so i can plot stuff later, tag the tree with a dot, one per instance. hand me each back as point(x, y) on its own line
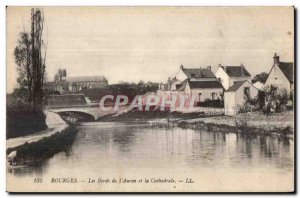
point(275, 99)
point(23, 57)
point(30, 57)
point(262, 77)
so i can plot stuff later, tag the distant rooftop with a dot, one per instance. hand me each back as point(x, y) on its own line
point(236, 71)
point(198, 73)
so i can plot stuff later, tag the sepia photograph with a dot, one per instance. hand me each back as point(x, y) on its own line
point(150, 99)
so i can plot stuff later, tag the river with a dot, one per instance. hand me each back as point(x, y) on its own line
point(213, 161)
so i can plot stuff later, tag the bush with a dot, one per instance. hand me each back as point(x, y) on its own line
point(275, 99)
point(23, 119)
point(249, 105)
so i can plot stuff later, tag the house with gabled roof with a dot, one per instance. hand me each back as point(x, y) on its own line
point(228, 75)
point(202, 90)
point(237, 95)
point(281, 74)
point(198, 82)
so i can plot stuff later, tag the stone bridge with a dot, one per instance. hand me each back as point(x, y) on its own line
point(94, 111)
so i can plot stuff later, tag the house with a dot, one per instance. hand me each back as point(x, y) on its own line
point(203, 90)
point(200, 82)
point(281, 75)
point(237, 94)
point(228, 75)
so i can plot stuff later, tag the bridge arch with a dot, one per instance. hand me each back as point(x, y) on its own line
point(81, 113)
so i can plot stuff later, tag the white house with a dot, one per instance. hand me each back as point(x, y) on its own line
point(236, 96)
point(228, 75)
point(202, 90)
point(281, 74)
point(200, 82)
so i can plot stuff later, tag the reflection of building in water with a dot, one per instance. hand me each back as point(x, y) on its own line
point(62, 83)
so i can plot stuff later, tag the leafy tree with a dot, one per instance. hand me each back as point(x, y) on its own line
point(30, 58)
point(275, 99)
point(262, 77)
point(23, 60)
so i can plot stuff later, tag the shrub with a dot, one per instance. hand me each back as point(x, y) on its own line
point(275, 99)
point(248, 106)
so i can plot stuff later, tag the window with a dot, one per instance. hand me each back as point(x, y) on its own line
point(247, 92)
point(200, 96)
point(213, 95)
point(193, 75)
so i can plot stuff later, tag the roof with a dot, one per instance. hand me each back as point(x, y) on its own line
point(235, 71)
point(205, 84)
point(198, 73)
point(288, 70)
point(84, 78)
point(172, 80)
point(237, 85)
point(182, 85)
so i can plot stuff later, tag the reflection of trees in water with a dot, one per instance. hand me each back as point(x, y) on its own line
point(31, 157)
point(265, 147)
point(246, 141)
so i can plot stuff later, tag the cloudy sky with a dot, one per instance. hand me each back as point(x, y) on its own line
point(132, 44)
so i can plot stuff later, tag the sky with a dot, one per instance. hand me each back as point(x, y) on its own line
point(150, 43)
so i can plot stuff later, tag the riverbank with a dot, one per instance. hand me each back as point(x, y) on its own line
point(55, 125)
point(281, 124)
point(42, 143)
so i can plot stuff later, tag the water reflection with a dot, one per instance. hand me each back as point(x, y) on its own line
point(101, 145)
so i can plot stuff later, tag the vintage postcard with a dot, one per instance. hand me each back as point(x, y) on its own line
point(150, 99)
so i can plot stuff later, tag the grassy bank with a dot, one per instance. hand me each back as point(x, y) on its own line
point(35, 153)
point(23, 119)
point(253, 122)
point(144, 116)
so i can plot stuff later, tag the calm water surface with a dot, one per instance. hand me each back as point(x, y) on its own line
point(99, 146)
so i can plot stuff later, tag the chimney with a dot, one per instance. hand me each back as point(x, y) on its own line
point(276, 59)
point(209, 67)
point(219, 65)
point(242, 69)
point(181, 67)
